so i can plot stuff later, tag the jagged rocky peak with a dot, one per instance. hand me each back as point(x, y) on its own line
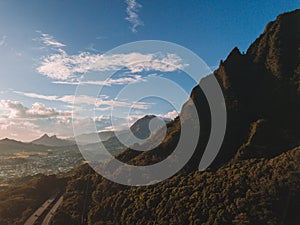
point(276, 52)
point(231, 67)
point(8, 140)
point(147, 117)
point(277, 48)
point(235, 52)
point(45, 136)
point(51, 141)
point(141, 127)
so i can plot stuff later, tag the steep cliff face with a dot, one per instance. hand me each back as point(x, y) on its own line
point(264, 84)
point(253, 176)
point(278, 47)
point(261, 85)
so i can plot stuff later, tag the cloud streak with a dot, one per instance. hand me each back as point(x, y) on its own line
point(108, 82)
point(3, 41)
point(38, 96)
point(37, 110)
point(27, 123)
point(61, 66)
point(169, 115)
point(49, 40)
point(103, 103)
point(132, 10)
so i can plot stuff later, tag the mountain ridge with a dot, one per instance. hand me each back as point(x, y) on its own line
point(52, 141)
point(11, 145)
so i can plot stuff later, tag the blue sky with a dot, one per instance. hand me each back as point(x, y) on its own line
point(37, 96)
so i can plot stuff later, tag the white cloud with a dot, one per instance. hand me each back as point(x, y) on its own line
point(170, 115)
point(103, 103)
point(49, 40)
point(108, 82)
point(18, 129)
point(56, 66)
point(92, 48)
point(138, 115)
point(38, 96)
point(132, 9)
point(101, 37)
point(23, 123)
point(27, 123)
point(3, 41)
point(61, 66)
point(37, 110)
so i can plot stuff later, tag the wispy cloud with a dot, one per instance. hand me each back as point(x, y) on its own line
point(37, 110)
point(49, 40)
point(138, 115)
point(108, 82)
point(91, 48)
point(27, 123)
point(15, 129)
point(132, 10)
point(61, 66)
point(101, 102)
point(38, 96)
point(101, 37)
point(169, 115)
point(3, 41)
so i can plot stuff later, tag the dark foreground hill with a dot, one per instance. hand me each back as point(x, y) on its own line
point(254, 191)
point(255, 177)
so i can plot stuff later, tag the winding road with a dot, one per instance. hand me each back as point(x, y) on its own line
point(49, 216)
point(33, 218)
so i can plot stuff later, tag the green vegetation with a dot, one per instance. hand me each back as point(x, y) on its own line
point(19, 202)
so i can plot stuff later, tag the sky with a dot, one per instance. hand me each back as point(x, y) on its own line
point(48, 48)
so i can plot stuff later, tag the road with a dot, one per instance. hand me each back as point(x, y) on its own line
point(31, 220)
point(84, 209)
point(49, 216)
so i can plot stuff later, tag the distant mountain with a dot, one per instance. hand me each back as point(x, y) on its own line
point(52, 141)
point(92, 137)
point(9, 145)
point(140, 129)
